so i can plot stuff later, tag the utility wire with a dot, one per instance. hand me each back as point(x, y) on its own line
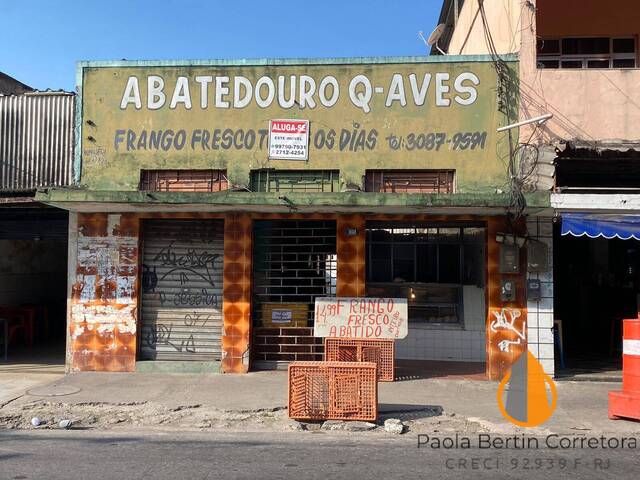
point(518, 171)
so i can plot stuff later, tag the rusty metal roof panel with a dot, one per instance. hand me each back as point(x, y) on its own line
point(581, 148)
point(36, 140)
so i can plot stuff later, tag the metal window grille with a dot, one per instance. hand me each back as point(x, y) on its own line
point(183, 180)
point(409, 181)
point(587, 52)
point(270, 180)
point(295, 261)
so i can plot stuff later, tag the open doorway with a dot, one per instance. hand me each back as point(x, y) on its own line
point(596, 286)
point(33, 289)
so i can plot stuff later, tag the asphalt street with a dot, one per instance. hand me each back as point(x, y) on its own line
point(71, 455)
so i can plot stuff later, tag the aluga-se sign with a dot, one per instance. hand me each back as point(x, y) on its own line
point(224, 91)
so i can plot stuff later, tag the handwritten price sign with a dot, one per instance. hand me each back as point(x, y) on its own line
point(361, 318)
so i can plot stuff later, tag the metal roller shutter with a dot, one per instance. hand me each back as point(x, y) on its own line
point(182, 290)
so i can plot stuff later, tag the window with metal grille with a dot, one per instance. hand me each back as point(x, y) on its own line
point(409, 181)
point(428, 264)
point(587, 52)
point(183, 180)
point(294, 262)
point(271, 180)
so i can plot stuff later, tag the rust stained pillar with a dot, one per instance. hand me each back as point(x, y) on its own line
point(102, 327)
point(236, 293)
point(504, 343)
point(351, 255)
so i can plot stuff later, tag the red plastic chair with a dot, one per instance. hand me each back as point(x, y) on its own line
point(19, 322)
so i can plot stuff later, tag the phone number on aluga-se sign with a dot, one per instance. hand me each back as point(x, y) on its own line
point(289, 147)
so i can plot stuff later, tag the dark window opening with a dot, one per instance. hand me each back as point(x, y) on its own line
point(624, 45)
point(549, 47)
point(597, 175)
point(624, 63)
point(586, 52)
point(428, 264)
point(585, 46)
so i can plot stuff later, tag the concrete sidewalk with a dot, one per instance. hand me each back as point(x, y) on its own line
point(257, 390)
point(582, 406)
point(17, 378)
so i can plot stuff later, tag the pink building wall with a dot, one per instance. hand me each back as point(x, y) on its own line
point(591, 105)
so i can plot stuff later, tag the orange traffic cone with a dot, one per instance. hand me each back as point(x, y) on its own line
point(626, 403)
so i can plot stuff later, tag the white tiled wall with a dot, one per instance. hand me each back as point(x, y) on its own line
point(431, 344)
point(540, 314)
point(465, 345)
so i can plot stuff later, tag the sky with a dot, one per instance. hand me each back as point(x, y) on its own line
point(43, 39)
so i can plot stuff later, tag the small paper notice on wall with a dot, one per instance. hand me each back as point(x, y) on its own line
point(281, 316)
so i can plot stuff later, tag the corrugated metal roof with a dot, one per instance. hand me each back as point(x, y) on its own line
point(600, 147)
point(36, 140)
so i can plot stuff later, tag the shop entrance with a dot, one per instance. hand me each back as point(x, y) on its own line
point(596, 285)
point(440, 269)
point(181, 314)
point(33, 289)
point(294, 261)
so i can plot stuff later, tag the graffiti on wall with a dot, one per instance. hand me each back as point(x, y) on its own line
point(507, 320)
point(191, 268)
point(181, 286)
point(161, 333)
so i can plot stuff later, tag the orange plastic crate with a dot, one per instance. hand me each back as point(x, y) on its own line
point(333, 391)
point(379, 351)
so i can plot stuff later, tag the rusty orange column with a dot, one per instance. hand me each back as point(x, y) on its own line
point(236, 293)
point(351, 255)
point(102, 321)
point(504, 345)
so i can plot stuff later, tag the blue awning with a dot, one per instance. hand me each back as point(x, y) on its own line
point(608, 226)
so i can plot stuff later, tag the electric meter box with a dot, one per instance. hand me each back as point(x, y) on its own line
point(508, 291)
point(533, 290)
point(509, 258)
